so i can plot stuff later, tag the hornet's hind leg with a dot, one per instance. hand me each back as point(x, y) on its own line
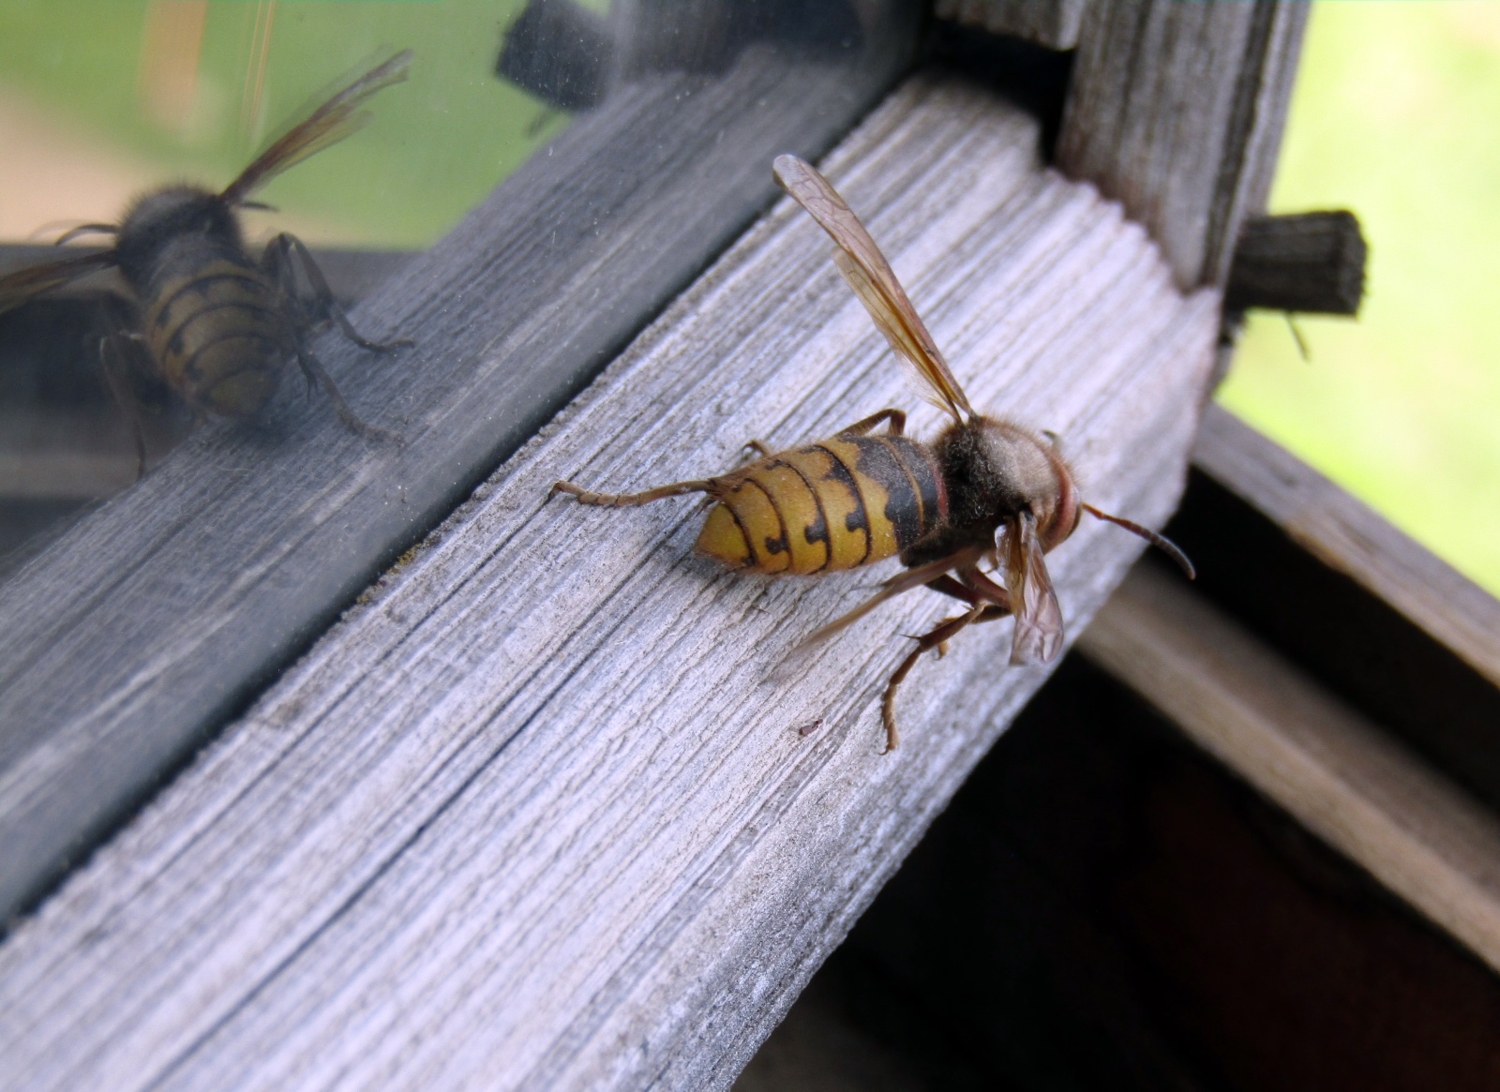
point(897, 426)
point(627, 500)
point(897, 419)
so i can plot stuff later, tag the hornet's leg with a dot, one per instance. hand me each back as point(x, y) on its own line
point(899, 584)
point(315, 374)
point(985, 588)
point(627, 500)
point(289, 247)
point(112, 361)
point(937, 638)
point(277, 264)
point(897, 419)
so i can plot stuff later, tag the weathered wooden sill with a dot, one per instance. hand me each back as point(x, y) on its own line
point(532, 815)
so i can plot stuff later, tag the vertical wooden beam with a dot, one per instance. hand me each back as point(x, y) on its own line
point(1052, 23)
point(1176, 110)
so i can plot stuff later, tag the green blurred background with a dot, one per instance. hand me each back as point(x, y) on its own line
point(1396, 116)
point(110, 74)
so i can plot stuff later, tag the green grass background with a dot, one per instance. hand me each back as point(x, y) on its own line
point(437, 143)
point(1396, 115)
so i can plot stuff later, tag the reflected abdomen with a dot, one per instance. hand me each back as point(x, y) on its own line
point(838, 504)
point(217, 335)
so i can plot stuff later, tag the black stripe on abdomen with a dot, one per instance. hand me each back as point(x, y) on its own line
point(903, 508)
point(922, 468)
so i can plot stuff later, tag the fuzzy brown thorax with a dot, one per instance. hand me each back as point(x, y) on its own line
point(995, 470)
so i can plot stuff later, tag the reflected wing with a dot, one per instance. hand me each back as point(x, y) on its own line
point(1039, 621)
point(328, 124)
point(870, 275)
point(18, 287)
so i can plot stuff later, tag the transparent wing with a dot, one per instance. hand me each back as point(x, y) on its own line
point(330, 123)
point(1039, 622)
point(18, 287)
point(871, 277)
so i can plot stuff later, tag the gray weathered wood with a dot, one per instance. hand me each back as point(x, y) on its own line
point(164, 612)
point(1310, 262)
point(1176, 110)
point(535, 815)
point(1347, 535)
point(1336, 772)
point(1052, 23)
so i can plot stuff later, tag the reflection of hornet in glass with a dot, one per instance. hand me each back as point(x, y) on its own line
point(218, 325)
point(987, 491)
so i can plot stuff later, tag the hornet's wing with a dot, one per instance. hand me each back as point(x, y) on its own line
point(871, 277)
point(330, 123)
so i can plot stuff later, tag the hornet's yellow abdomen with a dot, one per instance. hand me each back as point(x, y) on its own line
point(845, 502)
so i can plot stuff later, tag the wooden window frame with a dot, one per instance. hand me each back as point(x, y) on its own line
point(407, 861)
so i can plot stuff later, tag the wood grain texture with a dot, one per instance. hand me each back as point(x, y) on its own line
point(534, 815)
point(1348, 536)
point(162, 614)
point(1310, 262)
point(1052, 23)
point(1176, 110)
point(1338, 773)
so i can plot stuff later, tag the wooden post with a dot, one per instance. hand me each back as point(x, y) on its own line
point(1312, 262)
point(1176, 110)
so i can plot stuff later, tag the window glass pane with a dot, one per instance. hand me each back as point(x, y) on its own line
point(103, 100)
